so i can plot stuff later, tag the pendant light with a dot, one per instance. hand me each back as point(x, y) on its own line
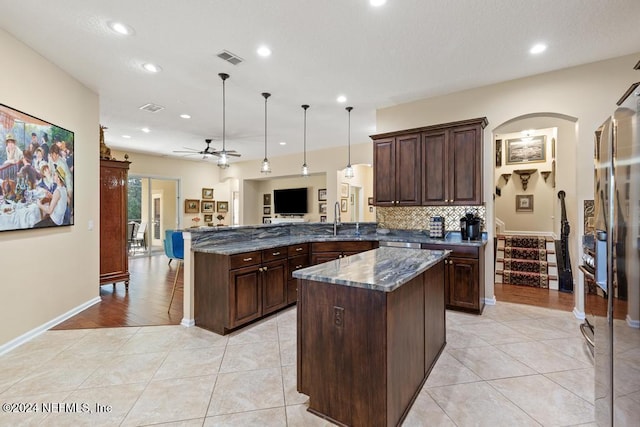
point(266, 167)
point(348, 172)
point(305, 168)
point(223, 160)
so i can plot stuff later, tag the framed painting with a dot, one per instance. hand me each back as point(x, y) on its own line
point(266, 220)
point(266, 199)
point(191, 206)
point(526, 150)
point(322, 208)
point(36, 172)
point(266, 210)
point(322, 194)
point(208, 218)
point(323, 218)
point(524, 203)
point(207, 193)
point(344, 189)
point(343, 205)
point(222, 207)
point(498, 152)
point(207, 206)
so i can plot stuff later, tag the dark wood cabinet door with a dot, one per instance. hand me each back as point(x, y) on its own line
point(465, 165)
point(463, 283)
point(321, 257)
point(434, 168)
point(245, 295)
point(274, 286)
point(408, 169)
point(295, 263)
point(384, 177)
point(114, 261)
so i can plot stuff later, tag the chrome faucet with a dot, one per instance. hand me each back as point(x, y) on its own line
point(336, 218)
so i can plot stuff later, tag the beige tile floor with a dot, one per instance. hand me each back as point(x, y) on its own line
point(514, 365)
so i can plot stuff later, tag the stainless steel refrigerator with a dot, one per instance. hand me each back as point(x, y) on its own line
point(612, 266)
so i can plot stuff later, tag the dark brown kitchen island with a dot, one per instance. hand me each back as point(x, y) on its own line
point(370, 328)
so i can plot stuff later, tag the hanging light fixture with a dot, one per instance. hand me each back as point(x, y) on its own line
point(223, 160)
point(348, 172)
point(305, 168)
point(266, 167)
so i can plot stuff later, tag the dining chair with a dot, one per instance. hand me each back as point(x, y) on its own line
point(177, 249)
point(139, 239)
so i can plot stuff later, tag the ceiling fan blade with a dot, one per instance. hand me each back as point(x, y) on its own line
point(188, 152)
point(232, 154)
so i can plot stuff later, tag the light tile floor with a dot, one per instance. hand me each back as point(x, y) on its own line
point(514, 365)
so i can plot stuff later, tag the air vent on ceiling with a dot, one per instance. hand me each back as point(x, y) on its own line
point(230, 57)
point(154, 108)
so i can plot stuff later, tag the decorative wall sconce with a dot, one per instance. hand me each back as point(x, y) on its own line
point(545, 175)
point(525, 174)
point(506, 177)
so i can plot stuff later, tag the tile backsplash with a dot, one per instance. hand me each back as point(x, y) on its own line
point(417, 217)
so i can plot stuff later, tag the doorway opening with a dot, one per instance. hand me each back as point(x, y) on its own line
point(152, 208)
point(535, 158)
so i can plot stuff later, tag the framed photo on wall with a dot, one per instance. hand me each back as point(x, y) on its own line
point(266, 199)
point(322, 194)
point(343, 205)
point(266, 210)
point(266, 220)
point(323, 218)
point(208, 218)
point(344, 189)
point(524, 203)
point(526, 150)
point(322, 208)
point(498, 152)
point(191, 206)
point(222, 207)
point(207, 193)
point(207, 206)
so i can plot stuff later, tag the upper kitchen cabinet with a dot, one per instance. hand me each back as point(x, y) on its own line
point(452, 163)
point(396, 179)
point(431, 165)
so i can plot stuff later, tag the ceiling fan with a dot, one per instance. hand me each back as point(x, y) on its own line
point(208, 151)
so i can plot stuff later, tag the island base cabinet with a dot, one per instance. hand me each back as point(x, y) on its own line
point(362, 354)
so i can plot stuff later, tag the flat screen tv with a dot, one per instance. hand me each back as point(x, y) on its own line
point(290, 201)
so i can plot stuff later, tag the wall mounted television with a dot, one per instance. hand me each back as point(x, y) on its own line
point(290, 201)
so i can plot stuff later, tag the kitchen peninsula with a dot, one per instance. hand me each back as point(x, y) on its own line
point(370, 328)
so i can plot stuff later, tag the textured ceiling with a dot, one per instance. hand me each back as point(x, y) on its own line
point(377, 57)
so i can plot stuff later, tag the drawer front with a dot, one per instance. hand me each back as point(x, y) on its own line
point(274, 253)
point(296, 263)
point(461, 251)
point(245, 259)
point(301, 249)
point(343, 246)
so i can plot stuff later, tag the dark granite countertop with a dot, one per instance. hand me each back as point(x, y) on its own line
point(384, 269)
point(235, 240)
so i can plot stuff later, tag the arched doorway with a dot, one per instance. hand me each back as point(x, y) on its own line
point(535, 158)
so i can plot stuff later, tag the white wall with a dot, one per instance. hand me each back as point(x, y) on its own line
point(587, 92)
point(46, 273)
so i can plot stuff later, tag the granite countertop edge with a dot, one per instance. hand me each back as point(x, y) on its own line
point(233, 248)
point(383, 269)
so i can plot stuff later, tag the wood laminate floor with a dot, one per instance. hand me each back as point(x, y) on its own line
point(146, 301)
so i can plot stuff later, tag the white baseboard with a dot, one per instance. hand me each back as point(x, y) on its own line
point(633, 323)
point(16, 342)
point(188, 322)
point(579, 314)
point(490, 301)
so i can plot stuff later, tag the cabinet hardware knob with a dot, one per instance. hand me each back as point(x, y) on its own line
point(264, 268)
point(276, 253)
point(298, 249)
point(298, 266)
point(247, 259)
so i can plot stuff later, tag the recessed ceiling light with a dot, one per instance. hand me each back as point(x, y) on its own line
point(145, 130)
point(264, 51)
point(341, 99)
point(282, 143)
point(126, 136)
point(185, 116)
point(121, 28)
point(152, 68)
point(377, 3)
point(538, 48)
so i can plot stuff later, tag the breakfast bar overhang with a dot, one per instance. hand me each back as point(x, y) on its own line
point(370, 328)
